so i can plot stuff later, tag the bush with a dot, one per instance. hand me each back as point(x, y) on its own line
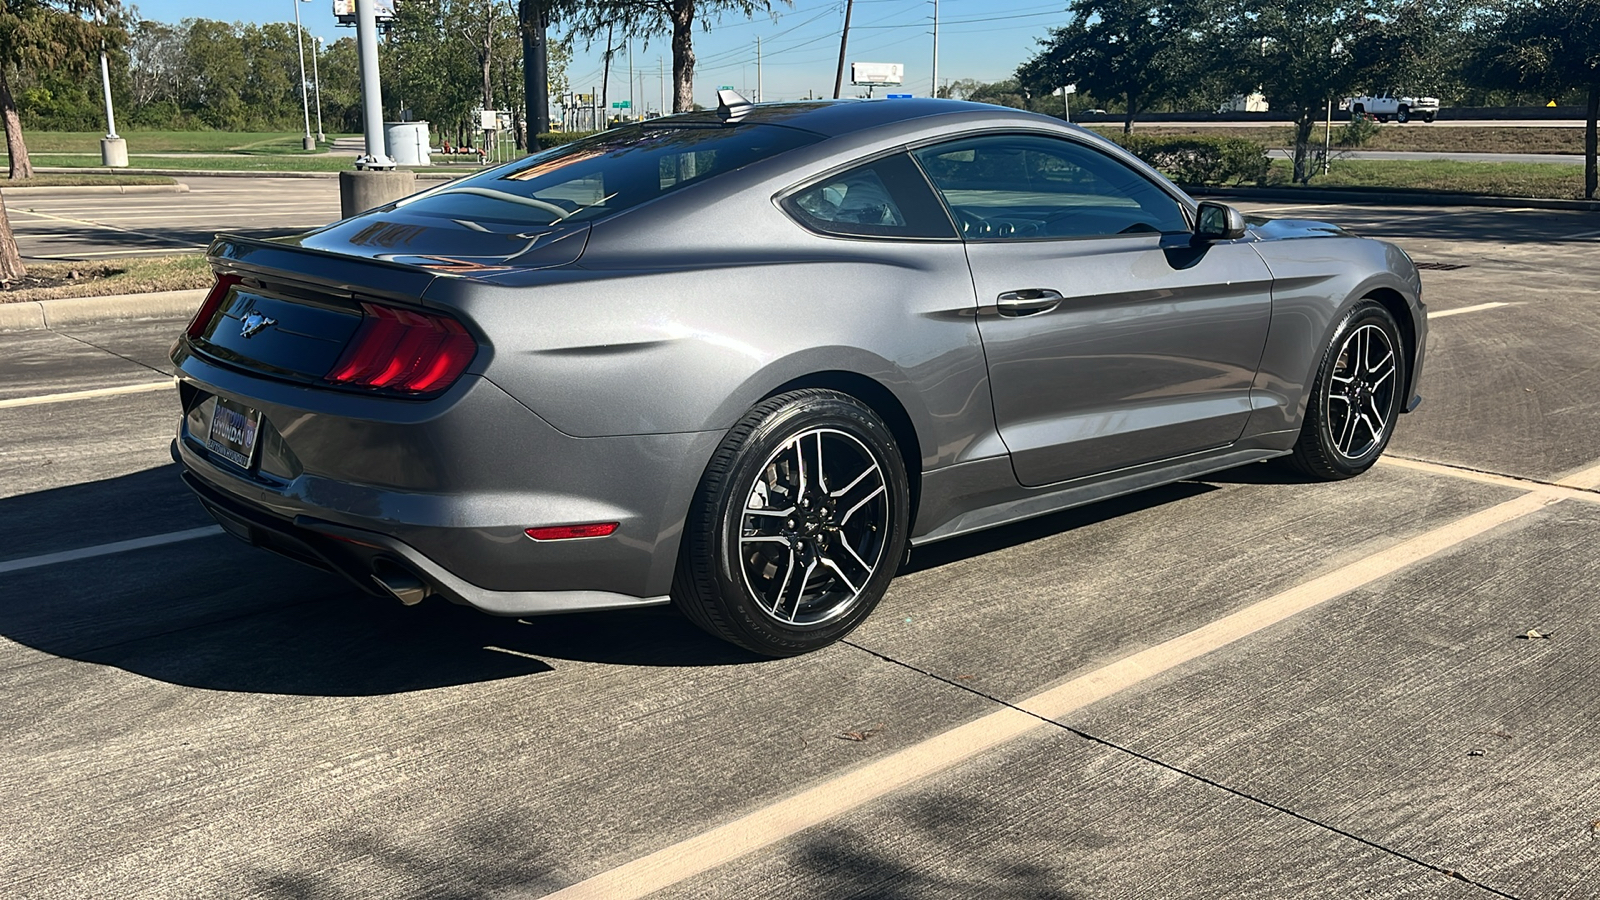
point(549, 139)
point(1360, 130)
point(1197, 159)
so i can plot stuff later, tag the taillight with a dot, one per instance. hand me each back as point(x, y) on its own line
point(402, 350)
point(208, 309)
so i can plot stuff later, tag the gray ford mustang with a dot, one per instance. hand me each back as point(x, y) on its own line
point(741, 361)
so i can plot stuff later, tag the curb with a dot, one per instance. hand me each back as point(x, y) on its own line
point(174, 188)
point(1393, 198)
point(42, 315)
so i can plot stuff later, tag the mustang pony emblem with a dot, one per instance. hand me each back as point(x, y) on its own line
point(254, 322)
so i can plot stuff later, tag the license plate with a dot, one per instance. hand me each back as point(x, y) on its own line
point(234, 427)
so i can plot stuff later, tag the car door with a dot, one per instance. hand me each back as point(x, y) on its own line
point(1112, 338)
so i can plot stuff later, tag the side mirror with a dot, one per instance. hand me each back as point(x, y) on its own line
point(1218, 222)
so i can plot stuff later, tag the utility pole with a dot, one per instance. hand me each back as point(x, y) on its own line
point(605, 78)
point(533, 21)
point(375, 181)
point(305, 102)
point(630, 78)
point(661, 81)
point(113, 149)
point(316, 80)
point(844, 41)
point(759, 82)
point(933, 86)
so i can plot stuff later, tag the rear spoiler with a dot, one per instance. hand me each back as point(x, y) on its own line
point(337, 274)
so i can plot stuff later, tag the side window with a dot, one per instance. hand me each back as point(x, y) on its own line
point(884, 198)
point(1020, 187)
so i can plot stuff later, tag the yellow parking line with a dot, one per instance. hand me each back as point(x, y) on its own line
point(1587, 479)
point(852, 790)
point(1439, 314)
point(1564, 489)
point(87, 395)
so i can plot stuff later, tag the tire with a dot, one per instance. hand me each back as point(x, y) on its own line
point(1428, 119)
point(1364, 370)
point(1383, 119)
point(809, 485)
point(1360, 111)
point(1403, 116)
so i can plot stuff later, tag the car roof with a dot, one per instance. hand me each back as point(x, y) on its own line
point(833, 118)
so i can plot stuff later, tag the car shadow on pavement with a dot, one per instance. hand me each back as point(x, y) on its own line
point(214, 613)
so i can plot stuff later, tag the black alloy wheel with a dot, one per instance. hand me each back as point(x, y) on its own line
point(799, 526)
point(1356, 398)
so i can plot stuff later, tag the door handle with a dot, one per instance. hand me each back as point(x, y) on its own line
point(1027, 302)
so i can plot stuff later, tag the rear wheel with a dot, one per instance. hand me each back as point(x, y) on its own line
point(798, 527)
point(1358, 393)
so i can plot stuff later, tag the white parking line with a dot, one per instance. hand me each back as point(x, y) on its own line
point(1439, 314)
point(123, 252)
point(87, 395)
point(29, 212)
point(852, 790)
point(156, 540)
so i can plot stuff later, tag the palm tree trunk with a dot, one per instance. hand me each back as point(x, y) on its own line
point(11, 268)
point(21, 165)
point(682, 55)
point(1590, 174)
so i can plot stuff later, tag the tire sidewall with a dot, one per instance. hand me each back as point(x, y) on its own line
point(810, 410)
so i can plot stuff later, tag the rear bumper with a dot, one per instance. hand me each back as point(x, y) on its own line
point(442, 492)
point(361, 556)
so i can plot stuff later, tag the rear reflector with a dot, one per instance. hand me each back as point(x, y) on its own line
point(403, 350)
point(570, 532)
point(208, 309)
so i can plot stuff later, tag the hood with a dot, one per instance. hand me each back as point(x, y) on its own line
point(1289, 229)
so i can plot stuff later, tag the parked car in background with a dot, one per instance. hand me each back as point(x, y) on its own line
point(740, 360)
point(1402, 108)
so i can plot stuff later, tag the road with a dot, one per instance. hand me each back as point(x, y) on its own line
point(1242, 685)
point(53, 226)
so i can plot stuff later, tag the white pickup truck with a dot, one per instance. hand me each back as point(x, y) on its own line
point(1388, 103)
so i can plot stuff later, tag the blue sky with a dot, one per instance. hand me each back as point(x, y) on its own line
point(982, 39)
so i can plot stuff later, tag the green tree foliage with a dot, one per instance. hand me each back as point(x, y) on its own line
point(445, 58)
point(1140, 51)
point(1001, 93)
point(1552, 47)
point(59, 37)
point(652, 18)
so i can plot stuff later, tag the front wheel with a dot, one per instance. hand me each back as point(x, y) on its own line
point(798, 527)
point(1356, 397)
point(1403, 116)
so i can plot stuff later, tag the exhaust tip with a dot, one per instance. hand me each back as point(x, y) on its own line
point(408, 589)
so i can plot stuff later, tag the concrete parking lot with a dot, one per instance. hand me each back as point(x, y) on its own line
point(1242, 686)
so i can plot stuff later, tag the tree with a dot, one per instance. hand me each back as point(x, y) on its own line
point(1000, 93)
point(1302, 53)
point(650, 18)
point(1551, 46)
point(47, 35)
point(1143, 51)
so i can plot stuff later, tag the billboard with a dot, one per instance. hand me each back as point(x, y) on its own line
point(345, 10)
point(877, 73)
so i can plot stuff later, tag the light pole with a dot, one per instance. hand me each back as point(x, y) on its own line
point(113, 149)
point(305, 101)
point(316, 79)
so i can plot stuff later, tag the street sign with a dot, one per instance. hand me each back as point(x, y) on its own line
point(898, 96)
point(622, 104)
point(724, 87)
point(877, 73)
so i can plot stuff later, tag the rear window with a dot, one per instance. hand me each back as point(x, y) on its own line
point(606, 173)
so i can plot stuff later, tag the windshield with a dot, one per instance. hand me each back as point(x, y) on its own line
point(607, 172)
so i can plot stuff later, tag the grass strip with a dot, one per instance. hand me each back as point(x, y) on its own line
point(271, 142)
point(74, 180)
point(1554, 181)
point(103, 278)
point(1414, 137)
